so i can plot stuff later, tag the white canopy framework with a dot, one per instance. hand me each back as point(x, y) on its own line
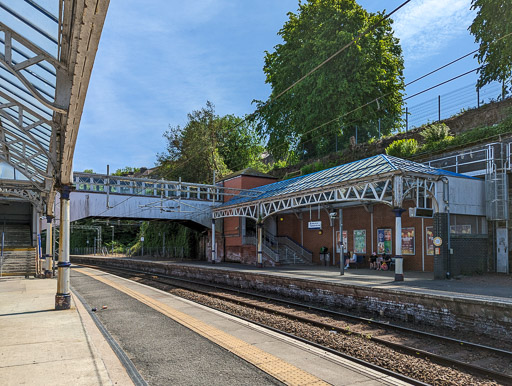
point(387, 180)
point(47, 50)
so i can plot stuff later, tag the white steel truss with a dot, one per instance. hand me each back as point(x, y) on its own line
point(390, 190)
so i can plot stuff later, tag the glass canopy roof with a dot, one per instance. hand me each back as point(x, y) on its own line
point(369, 167)
point(29, 42)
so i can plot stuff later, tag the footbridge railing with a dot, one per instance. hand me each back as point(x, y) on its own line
point(99, 183)
point(108, 184)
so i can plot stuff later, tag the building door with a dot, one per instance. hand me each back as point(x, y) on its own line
point(502, 250)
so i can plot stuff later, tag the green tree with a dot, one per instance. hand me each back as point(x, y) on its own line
point(209, 142)
point(238, 143)
point(490, 28)
point(191, 150)
point(126, 170)
point(369, 69)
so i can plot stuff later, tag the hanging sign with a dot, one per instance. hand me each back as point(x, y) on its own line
point(315, 225)
point(438, 241)
point(142, 239)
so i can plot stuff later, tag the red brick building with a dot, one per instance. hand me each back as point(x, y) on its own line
point(365, 201)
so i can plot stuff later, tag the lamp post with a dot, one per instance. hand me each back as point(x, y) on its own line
point(112, 239)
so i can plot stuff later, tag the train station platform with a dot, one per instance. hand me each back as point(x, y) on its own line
point(169, 340)
point(479, 304)
point(40, 346)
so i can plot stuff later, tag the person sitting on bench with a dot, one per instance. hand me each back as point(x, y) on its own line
point(352, 259)
point(386, 262)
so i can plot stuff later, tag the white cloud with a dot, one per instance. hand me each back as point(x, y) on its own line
point(425, 27)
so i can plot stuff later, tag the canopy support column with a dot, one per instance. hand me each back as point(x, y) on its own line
point(213, 241)
point(399, 271)
point(63, 296)
point(49, 250)
point(259, 235)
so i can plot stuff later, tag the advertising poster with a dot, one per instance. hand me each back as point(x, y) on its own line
point(360, 241)
point(408, 241)
point(345, 241)
point(384, 244)
point(430, 240)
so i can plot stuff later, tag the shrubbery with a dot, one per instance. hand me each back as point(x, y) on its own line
point(403, 148)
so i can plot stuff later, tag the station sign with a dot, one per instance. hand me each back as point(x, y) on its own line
point(438, 241)
point(315, 225)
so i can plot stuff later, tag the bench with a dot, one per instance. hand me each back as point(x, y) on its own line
point(358, 263)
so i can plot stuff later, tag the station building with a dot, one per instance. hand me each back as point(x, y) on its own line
point(381, 204)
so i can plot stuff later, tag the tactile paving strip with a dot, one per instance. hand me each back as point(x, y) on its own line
point(270, 364)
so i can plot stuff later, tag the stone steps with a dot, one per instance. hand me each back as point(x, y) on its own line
point(18, 261)
point(16, 236)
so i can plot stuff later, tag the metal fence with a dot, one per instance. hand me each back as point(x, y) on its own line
point(447, 105)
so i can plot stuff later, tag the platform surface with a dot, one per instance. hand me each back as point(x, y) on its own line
point(169, 340)
point(41, 346)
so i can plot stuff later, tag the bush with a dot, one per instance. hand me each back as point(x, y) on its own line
point(435, 133)
point(402, 148)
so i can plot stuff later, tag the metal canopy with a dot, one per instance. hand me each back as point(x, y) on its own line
point(47, 50)
point(379, 179)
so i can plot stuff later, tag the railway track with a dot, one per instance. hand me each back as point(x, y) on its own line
point(488, 364)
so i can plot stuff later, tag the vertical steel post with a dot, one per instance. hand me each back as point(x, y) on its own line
point(213, 241)
point(439, 108)
point(213, 221)
point(379, 127)
point(478, 97)
point(342, 247)
point(49, 245)
point(407, 119)
point(2, 256)
point(399, 274)
point(259, 231)
point(108, 186)
point(63, 297)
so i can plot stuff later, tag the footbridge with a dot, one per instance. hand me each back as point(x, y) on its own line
point(118, 197)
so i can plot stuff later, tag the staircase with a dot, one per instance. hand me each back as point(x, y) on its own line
point(16, 236)
point(19, 257)
point(281, 249)
point(18, 262)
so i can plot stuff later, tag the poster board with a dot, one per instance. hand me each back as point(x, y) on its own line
point(430, 240)
point(384, 241)
point(408, 241)
point(360, 241)
point(345, 241)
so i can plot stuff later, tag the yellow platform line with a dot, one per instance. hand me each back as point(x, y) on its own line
point(270, 364)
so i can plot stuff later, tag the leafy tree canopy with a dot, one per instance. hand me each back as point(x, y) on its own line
point(206, 143)
point(372, 68)
point(490, 27)
point(126, 170)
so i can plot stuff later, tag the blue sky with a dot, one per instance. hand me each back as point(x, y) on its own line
point(161, 60)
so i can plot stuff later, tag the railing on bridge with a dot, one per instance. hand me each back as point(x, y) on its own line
point(477, 161)
point(101, 183)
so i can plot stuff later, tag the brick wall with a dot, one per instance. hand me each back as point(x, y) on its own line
point(357, 218)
